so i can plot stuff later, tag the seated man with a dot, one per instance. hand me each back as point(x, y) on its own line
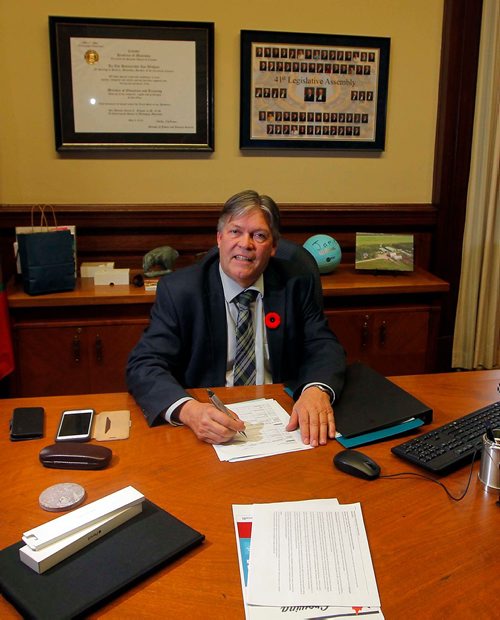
point(199, 335)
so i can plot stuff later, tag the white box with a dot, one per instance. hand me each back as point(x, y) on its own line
point(88, 270)
point(50, 555)
point(112, 276)
point(70, 523)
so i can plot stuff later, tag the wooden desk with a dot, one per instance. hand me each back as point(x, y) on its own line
point(433, 558)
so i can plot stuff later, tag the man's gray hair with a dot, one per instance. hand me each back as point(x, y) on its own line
point(242, 203)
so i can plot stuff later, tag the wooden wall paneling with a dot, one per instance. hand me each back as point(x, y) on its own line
point(457, 91)
point(124, 233)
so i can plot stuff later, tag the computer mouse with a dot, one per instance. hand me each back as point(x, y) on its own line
point(356, 464)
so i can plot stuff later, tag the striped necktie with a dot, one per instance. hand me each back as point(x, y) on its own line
point(244, 359)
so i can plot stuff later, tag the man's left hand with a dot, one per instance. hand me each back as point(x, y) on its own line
point(313, 413)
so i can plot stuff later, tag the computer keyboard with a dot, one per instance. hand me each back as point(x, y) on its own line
point(452, 445)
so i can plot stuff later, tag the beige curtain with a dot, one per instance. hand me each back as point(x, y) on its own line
point(476, 341)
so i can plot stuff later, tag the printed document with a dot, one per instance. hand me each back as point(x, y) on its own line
point(305, 559)
point(265, 427)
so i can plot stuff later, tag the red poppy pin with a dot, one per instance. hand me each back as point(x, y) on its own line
point(273, 320)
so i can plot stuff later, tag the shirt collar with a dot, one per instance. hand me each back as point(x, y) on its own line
point(232, 289)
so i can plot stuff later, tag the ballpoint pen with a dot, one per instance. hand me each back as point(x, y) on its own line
point(216, 401)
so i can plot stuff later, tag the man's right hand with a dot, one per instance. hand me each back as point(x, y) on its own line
point(208, 423)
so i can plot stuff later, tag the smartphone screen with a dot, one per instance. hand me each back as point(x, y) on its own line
point(75, 425)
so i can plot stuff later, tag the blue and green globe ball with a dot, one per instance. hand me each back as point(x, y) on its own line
point(326, 252)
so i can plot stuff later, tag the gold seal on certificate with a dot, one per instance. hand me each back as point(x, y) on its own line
point(91, 57)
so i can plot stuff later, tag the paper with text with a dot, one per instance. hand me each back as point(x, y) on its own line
point(310, 556)
point(243, 517)
point(265, 427)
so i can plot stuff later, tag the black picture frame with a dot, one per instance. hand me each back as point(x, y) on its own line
point(313, 91)
point(132, 85)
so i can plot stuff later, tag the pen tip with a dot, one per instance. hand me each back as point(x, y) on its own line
point(209, 392)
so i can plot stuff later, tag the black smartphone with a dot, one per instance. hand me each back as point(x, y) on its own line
point(75, 425)
point(27, 423)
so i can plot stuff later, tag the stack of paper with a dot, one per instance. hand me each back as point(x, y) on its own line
point(306, 560)
point(266, 434)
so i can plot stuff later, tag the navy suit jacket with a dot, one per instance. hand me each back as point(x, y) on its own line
point(185, 345)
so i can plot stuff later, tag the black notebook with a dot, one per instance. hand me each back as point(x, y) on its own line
point(99, 572)
point(370, 402)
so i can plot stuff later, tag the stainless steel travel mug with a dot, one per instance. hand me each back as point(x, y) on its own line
point(489, 472)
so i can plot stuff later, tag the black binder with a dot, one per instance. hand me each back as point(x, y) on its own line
point(370, 402)
point(99, 572)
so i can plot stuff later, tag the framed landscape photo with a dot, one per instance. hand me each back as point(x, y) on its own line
point(313, 91)
point(141, 85)
point(384, 252)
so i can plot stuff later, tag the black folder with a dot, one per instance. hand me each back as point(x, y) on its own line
point(370, 402)
point(94, 575)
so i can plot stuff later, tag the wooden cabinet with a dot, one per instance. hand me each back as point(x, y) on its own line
point(78, 342)
point(74, 357)
point(389, 321)
point(387, 339)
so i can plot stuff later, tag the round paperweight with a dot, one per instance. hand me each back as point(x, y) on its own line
point(63, 496)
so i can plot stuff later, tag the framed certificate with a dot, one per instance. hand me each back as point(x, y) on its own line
point(313, 91)
point(132, 84)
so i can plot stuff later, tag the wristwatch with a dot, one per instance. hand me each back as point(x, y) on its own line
point(327, 390)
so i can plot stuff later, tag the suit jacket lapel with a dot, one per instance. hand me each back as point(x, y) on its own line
point(274, 301)
point(216, 324)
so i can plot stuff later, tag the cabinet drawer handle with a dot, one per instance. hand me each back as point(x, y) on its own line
point(365, 333)
point(98, 348)
point(383, 333)
point(76, 348)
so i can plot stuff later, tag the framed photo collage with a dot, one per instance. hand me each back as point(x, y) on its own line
point(313, 91)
